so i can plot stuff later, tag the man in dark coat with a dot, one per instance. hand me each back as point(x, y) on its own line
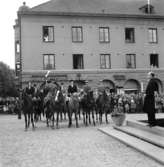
point(149, 101)
point(30, 90)
point(72, 88)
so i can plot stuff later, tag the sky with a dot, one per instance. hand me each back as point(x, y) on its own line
point(8, 14)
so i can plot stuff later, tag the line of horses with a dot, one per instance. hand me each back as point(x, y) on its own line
point(50, 102)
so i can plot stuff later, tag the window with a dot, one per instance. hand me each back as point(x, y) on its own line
point(105, 61)
point(48, 33)
point(154, 60)
point(104, 34)
point(77, 34)
point(131, 61)
point(78, 61)
point(17, 47)
point(129, 35)
point(48, 61)
point(18, 68)
point(152, 35)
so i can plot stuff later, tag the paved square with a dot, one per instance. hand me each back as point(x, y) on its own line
point(64, 147)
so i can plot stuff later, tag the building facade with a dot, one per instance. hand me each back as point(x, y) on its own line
point(111, 43)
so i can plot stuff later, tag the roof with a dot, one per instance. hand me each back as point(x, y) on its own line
point(129, 7)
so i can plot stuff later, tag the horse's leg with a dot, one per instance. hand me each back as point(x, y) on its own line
point(93, 117)
point(65, 112)
point(96, 109)
point(40, 116)
point(76, 117)
point(71, 111)
point(53, 120)
point(100, 116)
point(106, 115)
point(35, 115)
point(70, 117)
point(61, 115)
point(40, 111)
point(32, 120)
point(25, 117)
point(28, 120)
point(47, 117)
point(43, 111)
point(79, 112)
point(83, 112)
point(86, 118)
point(89, 112)
point(57, 118)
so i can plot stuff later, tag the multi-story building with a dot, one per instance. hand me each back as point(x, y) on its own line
point(116, 42)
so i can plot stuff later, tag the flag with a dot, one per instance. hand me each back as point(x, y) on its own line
point(47, 74)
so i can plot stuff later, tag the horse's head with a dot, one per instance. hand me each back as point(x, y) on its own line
point(59, 97)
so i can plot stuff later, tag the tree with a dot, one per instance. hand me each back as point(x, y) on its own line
point(7, 84)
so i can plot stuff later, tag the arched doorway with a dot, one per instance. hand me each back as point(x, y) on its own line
point(160, 85)
point(109, 84)
point(132, 86)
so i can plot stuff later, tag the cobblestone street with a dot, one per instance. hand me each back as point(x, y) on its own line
point(64, 147)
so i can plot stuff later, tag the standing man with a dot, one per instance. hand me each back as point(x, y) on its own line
point(149, 101)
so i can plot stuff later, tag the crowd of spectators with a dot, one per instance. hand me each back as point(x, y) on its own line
point(10, 105)
point(132, 103)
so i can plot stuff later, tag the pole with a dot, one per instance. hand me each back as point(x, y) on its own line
point(148, 3)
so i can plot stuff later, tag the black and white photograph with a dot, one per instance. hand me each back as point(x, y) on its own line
point(82, 83)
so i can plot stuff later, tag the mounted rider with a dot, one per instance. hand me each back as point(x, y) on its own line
point(72, 88)
point(29, 90)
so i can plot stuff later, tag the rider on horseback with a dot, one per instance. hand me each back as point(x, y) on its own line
point(72, 88)
point(29, 90)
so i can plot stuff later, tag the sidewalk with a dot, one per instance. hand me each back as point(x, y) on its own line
point(142, 116)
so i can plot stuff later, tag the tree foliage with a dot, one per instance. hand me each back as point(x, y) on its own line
point(7, 84)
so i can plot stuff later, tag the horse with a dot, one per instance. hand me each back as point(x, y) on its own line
point(48, 109)
point(103, 103)
point(88, 106)
point(54, 103)
point(27, 107)
point(73, 107)
point(58, 105)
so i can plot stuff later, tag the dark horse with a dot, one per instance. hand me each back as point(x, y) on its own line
point(27, 107)
point(88, 106)
point(53, 105)
point(58, 103)
point(103, 104)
